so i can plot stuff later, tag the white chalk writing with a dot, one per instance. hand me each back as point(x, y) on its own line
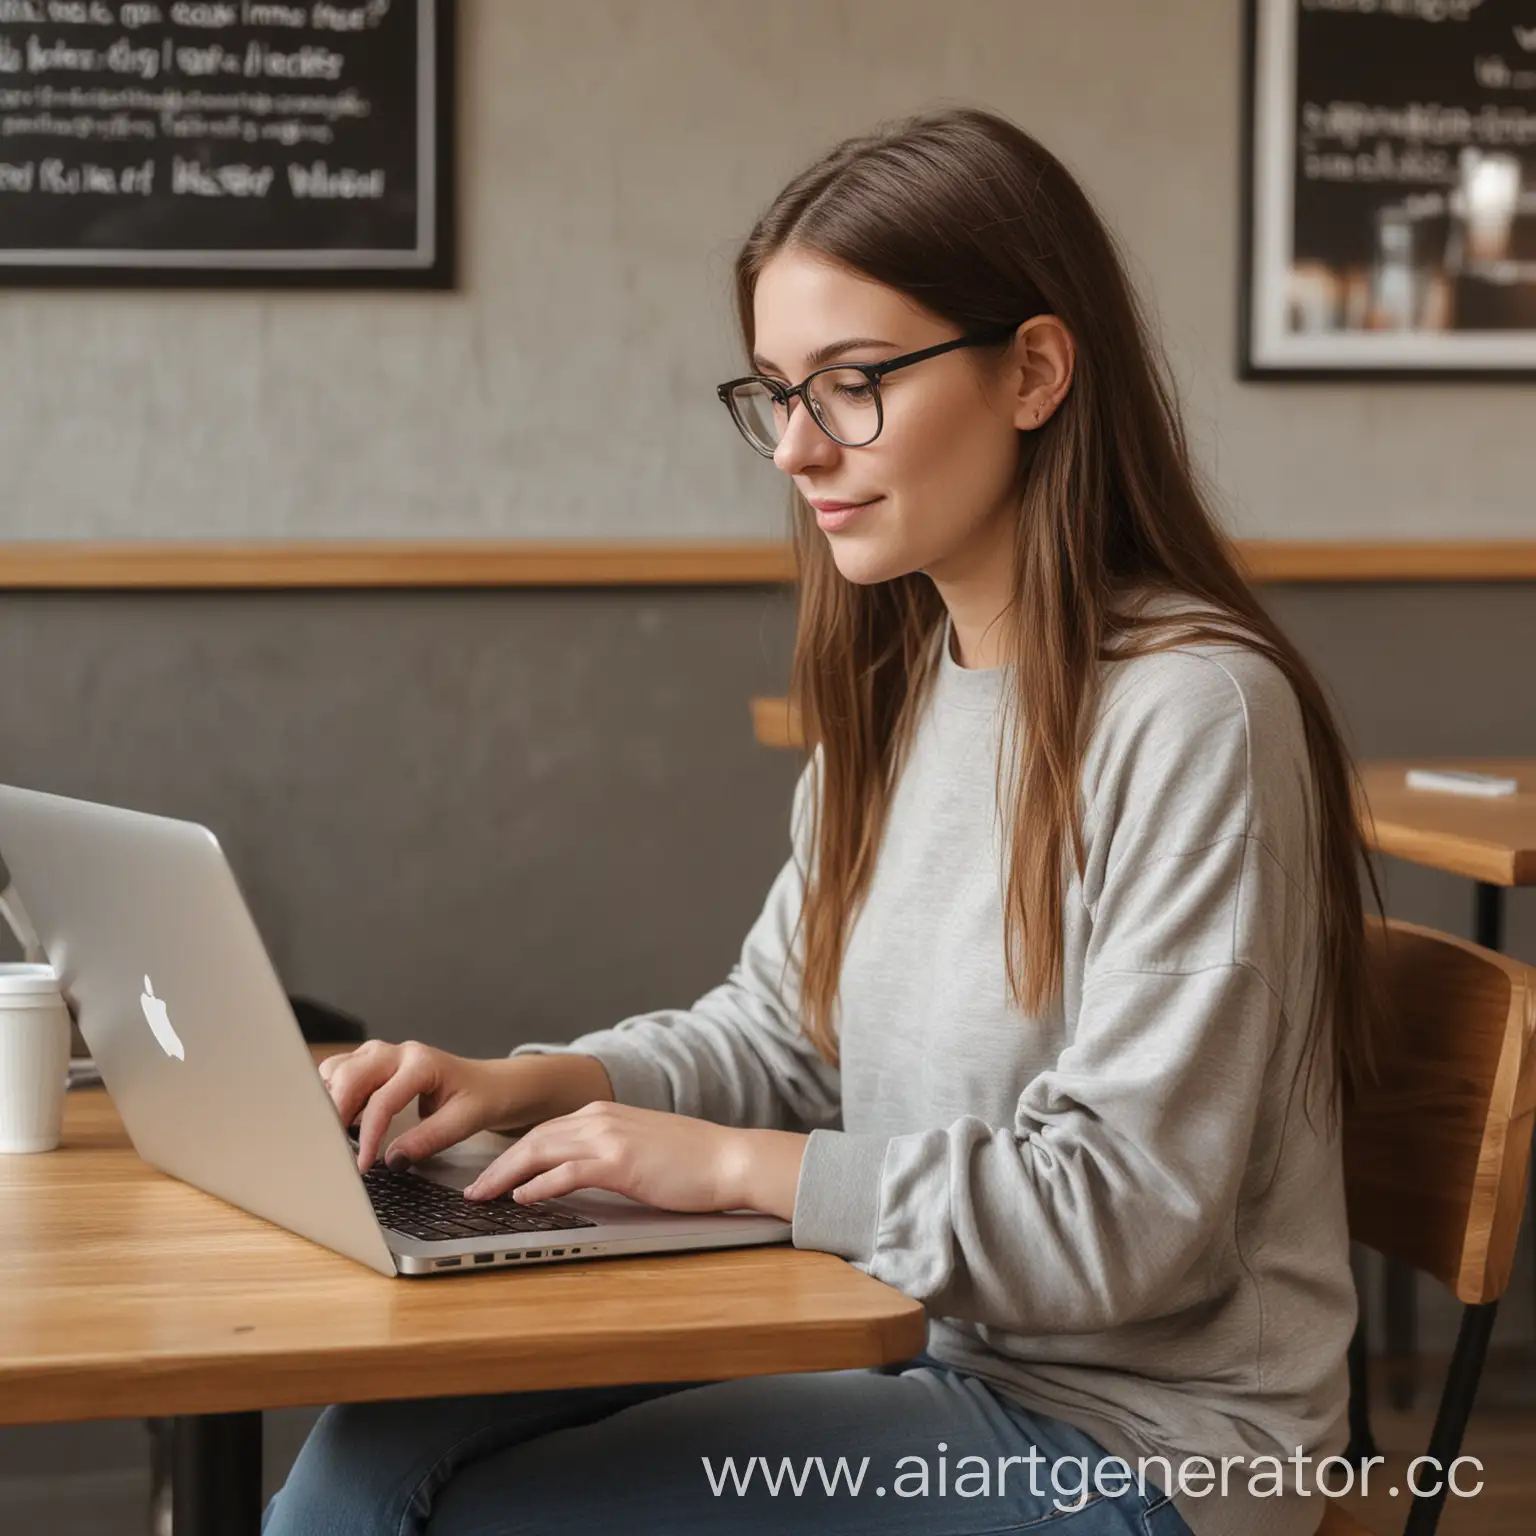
point(253, 100)
point(1413, 10)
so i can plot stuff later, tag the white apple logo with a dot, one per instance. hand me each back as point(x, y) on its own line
point(160, 1023)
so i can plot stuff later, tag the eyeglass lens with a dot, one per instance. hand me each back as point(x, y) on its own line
point(843, 400)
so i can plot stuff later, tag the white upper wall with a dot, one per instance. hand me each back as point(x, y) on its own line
point(613, 154)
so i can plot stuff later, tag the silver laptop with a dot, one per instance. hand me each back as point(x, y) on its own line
point(195, 1041)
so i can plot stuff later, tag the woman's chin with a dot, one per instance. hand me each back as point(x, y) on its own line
point(866, 563)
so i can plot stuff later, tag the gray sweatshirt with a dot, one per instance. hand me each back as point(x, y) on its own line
point(1118, 1213)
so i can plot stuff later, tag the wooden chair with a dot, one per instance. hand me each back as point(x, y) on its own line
point(1436, 1151)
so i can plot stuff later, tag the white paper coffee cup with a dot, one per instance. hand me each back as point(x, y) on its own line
point(34, 1058)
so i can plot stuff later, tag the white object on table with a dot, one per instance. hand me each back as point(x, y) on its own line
point(34, 1058)
point(1460, 781)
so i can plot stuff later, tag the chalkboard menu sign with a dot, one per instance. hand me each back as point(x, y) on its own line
point(1390, 198)
point(226, 141)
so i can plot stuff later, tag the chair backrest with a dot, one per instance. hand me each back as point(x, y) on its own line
point(1437, 1149)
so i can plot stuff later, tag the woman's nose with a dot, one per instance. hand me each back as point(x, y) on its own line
point(804, 445)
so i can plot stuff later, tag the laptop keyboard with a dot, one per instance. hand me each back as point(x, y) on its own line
point(417, 1207)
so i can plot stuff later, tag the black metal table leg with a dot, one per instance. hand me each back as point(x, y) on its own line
point(216, 1478)
point(1488, 916)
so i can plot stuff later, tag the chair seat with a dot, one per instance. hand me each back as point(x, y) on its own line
point(1337, 1521)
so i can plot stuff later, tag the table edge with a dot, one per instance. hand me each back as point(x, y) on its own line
point(49, 1392)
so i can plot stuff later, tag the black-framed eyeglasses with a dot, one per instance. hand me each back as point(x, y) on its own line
point(843, 398)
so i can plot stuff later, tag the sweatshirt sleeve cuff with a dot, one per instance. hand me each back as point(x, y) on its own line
point(634, 1074)
point(837, 1201)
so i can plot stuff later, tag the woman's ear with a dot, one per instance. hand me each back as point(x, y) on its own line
point(1044, 355)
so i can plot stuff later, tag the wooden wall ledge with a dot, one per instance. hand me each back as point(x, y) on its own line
point(374, 563)
point(83, 566)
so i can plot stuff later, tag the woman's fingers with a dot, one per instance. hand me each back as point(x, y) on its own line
point(383, 1105)
point(380, 1089)
point(371, 1085)
point(328, 1066)
point(563, 1179)
point(545, 1147)
point(354, 1077)
point(461, 1116)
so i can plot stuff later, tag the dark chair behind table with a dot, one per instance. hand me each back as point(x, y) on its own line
point(1437, 1152)
point(321, 1024)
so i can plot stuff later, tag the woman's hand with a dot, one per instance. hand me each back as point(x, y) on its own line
point(456, 1095)
point(671, 1161)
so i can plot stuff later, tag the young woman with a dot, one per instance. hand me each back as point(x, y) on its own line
point(1048, 1014)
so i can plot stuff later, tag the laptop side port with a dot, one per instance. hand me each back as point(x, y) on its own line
point(446, 1263)
point(484, 1258)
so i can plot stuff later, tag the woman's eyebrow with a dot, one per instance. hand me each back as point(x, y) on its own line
point(824, 354)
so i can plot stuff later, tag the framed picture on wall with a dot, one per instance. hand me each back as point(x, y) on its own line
point(1389, 189)
point(177, 145)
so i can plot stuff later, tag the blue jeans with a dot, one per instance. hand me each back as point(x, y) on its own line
point(914, 1449)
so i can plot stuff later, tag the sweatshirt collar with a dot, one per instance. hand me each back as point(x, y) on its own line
point(975, 689)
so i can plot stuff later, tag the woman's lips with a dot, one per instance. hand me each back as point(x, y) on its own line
point(832, 515)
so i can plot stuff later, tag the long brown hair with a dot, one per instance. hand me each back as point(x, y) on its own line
point(967, 215)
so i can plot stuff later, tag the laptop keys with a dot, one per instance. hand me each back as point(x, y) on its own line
point(417, 1207)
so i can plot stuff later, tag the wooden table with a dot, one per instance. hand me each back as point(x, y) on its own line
point(1490, 841)
point(125, 1293)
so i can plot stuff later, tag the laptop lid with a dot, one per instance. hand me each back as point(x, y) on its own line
point(156, 950)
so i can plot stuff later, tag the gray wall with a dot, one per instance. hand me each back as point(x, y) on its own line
point(479, 818)
point(615, 153)
point(473, 817)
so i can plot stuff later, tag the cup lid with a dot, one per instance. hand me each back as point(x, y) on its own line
point(22, 980)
